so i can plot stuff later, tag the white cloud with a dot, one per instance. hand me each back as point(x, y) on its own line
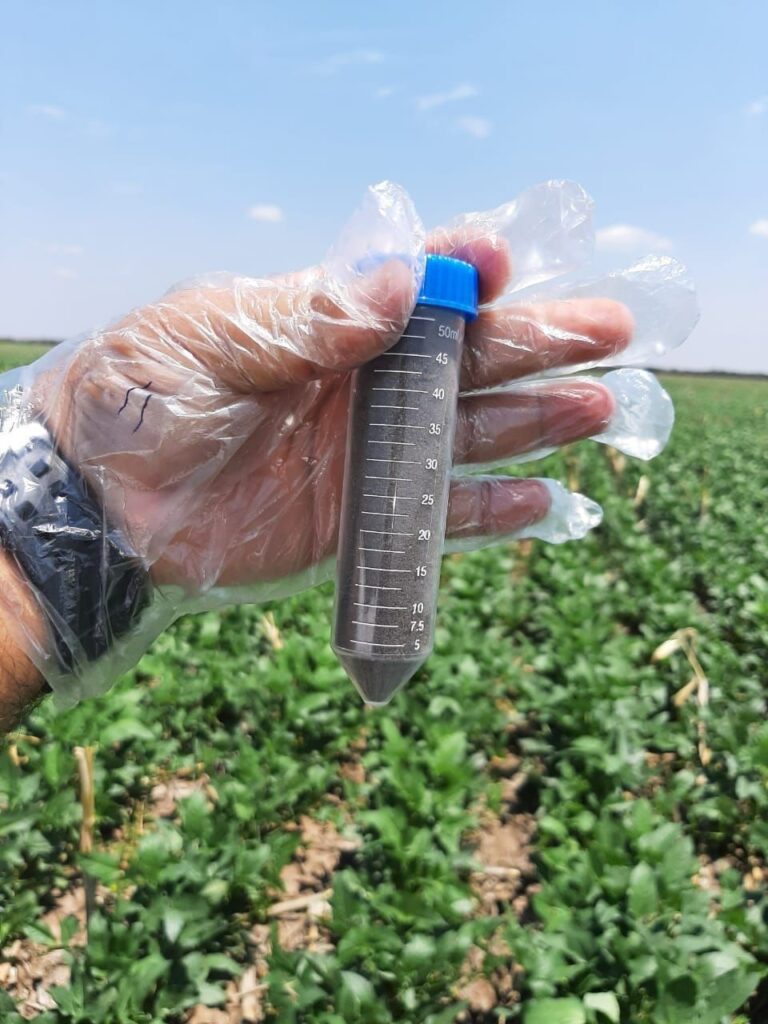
point(630, 238)
point(759, 228)
point(758, 106)
point(65, 273)
point(479, 127)
point(48, 110)
point(465, 91)
point(385, 92)
point(58, 249)
point(267, 213)
point(337, 61)
point(91, 127)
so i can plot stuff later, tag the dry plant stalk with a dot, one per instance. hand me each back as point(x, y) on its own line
point(298, 903)
point(572, 469)
point(643, 486)
point(84, 760)
point(272, 631)
point(685, 640)
point(617, 460)
point(703, 503)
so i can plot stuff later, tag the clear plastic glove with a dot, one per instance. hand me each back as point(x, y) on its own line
point(211, 424)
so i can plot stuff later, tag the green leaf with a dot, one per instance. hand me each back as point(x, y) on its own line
point(69, 1000)
point(728, 993)
point(193, 812)
point(388, 823)
point(642, 895)
point(447, 1016)
point(450, 753)
point(210, 994)
point(145, 972)
point(605, 1003)
point(418, 950)
point(104, 867)
point(220, 962)
point(125, 729)
point(68, 928)
point(555, 1011)
point(173, 922)
point(6, 1003)
point(39, 933)
point(678, 998)
point(356, 993)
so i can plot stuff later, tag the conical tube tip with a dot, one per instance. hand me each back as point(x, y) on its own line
point(377, 680)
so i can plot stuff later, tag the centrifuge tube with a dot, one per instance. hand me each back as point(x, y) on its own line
point(402, 420)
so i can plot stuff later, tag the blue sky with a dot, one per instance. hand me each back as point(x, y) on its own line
point(142, 143)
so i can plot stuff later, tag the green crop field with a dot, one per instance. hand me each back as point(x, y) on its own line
point(17, 353)
point(563, 819)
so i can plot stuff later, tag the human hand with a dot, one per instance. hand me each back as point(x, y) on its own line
point(212, 423)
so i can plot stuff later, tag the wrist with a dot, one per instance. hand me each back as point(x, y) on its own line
point(22, 629)
point(87, 585)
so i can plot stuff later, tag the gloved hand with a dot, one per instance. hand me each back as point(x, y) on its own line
point(211, 424)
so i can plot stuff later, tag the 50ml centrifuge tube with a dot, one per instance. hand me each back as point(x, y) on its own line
point(402, 420)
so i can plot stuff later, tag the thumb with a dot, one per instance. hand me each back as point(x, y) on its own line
point(322, 325)
point(269, 334)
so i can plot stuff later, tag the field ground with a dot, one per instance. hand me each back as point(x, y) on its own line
point(562, 820)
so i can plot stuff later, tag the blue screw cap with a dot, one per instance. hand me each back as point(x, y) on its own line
point(451, 284)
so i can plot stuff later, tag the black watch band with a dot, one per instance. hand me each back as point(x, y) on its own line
point(89, 584)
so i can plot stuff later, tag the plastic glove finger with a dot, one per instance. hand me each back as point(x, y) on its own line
point(509, 342)
point(488, 510)
point(263, 335)
point(657, 293)
point(492, 504)
point(643, 414)
point(499, 427)
point(482, 511)
point(639, 423)
point(547, 231)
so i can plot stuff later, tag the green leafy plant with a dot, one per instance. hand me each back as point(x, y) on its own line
point(649, 796)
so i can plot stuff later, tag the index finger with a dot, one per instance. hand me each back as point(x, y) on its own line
point(509, 342)
point(488, 252)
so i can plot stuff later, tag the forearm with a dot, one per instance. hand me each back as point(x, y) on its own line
point(20, 623)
